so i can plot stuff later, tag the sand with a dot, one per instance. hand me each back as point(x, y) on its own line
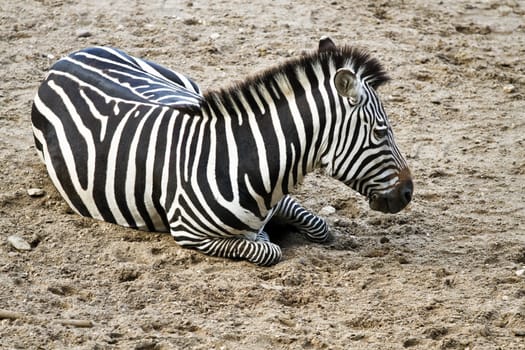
point(445, 273)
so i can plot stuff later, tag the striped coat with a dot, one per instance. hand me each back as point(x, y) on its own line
point(130, 142)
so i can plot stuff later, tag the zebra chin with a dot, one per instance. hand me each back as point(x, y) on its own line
point(394, 200)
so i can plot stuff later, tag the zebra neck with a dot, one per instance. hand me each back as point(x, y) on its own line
point(271, 130)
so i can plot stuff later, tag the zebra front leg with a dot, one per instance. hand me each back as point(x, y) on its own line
point(291, 212)
point(259, 251)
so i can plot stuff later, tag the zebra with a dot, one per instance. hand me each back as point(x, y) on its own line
point(130, 142)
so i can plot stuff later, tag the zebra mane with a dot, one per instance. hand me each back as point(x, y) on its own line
point(366, 67)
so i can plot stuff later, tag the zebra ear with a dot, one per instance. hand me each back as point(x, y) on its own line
point(326, 44)
point(347, 84)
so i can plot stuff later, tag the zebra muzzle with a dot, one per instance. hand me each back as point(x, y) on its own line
point(394, 200)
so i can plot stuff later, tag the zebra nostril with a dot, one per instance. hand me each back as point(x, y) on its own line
point(407, 196)
point(406, 191)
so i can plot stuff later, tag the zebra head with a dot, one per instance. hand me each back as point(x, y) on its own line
point(365, 156)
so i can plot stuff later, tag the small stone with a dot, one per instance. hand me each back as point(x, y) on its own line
point(410, 342)
point(35, 240)
point(519, 332)
point(214, 36)
point(262, 52)
point(128, 275)
point(62, 290)
point(342, 223)
point(328, 210)
point(357, 336)
point(83, 33)
point(384, 240)
point(403, 260)
point(286, 322)
point(508, 89)
point(148, 345)
point(18, 242)
point(520, 272)
point(190, 21)
point(36, 192)
point(436, 332)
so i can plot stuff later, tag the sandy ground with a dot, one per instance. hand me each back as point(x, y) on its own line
point(446, 273)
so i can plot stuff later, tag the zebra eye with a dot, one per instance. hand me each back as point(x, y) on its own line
point(380, 133)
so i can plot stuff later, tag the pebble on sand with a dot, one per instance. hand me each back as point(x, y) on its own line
point(509, 88)
point(83, 33)
point(18, 242)
point(519, 332)
point(328, 210)
point(36, 192)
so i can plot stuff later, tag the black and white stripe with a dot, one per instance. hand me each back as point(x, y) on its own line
point(130, 142)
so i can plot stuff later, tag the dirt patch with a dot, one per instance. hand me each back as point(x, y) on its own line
point(445, 273)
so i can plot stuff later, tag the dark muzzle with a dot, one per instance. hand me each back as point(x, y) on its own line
point(397, 198)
